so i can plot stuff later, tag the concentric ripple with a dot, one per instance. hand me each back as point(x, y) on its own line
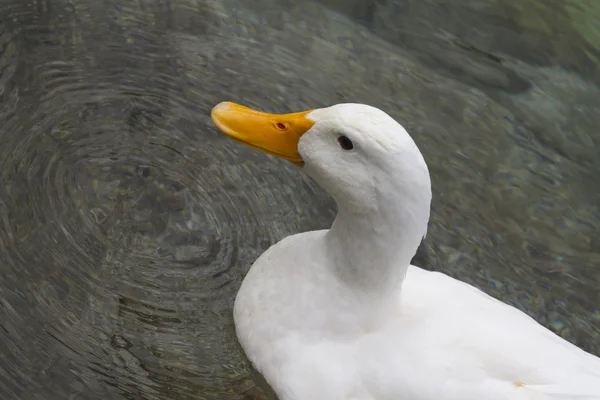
point(127, 222)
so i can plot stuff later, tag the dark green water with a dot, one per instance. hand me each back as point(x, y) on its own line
point(127, 222)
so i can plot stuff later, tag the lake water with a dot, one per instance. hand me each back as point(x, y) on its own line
point(127, 222)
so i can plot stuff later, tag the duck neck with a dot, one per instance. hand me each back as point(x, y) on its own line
point(371, 251)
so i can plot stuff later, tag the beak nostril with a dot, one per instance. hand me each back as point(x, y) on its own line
point(281, 126)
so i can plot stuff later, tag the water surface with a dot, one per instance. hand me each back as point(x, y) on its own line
point(127, 222)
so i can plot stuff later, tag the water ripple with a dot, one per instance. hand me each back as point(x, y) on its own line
point(127, 222)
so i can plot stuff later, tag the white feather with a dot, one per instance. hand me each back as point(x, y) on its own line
point(340, 314)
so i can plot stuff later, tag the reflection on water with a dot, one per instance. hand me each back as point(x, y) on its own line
point(127, 222)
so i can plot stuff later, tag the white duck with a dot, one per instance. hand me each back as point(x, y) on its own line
point(340, 314)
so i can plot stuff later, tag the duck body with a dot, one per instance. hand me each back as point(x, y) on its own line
point(340, 314)
point(312, 337)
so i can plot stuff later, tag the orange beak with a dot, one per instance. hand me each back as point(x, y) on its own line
point(276, 134)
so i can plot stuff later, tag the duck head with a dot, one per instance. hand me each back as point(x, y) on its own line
point(359, 154)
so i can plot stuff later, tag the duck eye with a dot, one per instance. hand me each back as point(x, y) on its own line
point(345, 143)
